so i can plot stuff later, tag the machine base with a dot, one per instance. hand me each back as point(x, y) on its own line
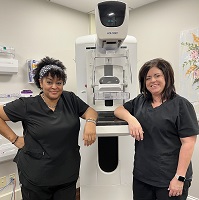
point(120, 192)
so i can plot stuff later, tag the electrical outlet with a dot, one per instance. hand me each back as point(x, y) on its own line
point(2, 181)
point(12, 176)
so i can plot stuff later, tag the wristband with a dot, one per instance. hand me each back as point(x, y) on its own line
point(91, 120)
point(15, 140)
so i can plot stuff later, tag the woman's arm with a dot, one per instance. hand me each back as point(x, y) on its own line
point(7, 132)
point(89, 135)
point(90, 113)
point(186, 152)
point(135, 128)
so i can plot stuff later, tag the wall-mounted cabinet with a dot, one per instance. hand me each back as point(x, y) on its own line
point(8, 66)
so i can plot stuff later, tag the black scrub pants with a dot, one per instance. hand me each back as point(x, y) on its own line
point(143, 191)
point(62, 192)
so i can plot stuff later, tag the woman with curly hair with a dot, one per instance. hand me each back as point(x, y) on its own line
point(48, 158)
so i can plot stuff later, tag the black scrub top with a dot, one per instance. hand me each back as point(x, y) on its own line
point(156, 157)
point(50, 155)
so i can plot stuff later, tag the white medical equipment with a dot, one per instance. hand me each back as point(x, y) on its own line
point(106, 78)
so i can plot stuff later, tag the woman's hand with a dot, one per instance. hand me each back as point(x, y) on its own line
point(135, 129)
point(175, 187)
point(89, 135)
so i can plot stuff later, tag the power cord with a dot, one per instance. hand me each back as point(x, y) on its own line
point(12, 182)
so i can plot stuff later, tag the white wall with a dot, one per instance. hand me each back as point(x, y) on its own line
point(37, 28)
point(157, 28)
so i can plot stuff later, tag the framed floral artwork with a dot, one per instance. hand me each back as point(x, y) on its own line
point(189, 66)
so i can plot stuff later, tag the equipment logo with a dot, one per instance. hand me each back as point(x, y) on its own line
point(112, 33)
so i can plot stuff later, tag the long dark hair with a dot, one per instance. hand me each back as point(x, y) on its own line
point(167, 70)
point(53, 72)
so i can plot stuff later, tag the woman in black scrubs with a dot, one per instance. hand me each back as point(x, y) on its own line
point(48, 159)
point(165, 127)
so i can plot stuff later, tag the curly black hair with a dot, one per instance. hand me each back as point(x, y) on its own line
point(53, 71)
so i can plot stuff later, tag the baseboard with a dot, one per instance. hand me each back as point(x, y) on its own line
point(192, 198)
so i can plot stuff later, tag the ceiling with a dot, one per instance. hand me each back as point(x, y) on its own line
point(88, 6)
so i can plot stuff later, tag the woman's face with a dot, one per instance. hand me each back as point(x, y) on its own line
point(52, 87)
point(155, 81)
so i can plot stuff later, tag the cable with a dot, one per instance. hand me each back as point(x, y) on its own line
point(14, 187)
point(6, 185)
point(12, 182)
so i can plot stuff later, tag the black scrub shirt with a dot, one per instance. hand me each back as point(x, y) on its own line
point(50, 155)
point(156, 157)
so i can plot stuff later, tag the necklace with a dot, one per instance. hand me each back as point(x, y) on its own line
point(53, 106)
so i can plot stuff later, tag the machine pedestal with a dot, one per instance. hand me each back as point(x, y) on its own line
point(117, 192)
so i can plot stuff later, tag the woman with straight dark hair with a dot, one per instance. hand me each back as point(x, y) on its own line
point(165, 128)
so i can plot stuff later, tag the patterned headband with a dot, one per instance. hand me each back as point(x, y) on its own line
point(47, 68)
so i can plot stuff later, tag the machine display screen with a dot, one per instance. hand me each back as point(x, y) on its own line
point(112, 15)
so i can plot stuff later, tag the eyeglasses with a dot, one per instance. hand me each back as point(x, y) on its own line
point(155, 76)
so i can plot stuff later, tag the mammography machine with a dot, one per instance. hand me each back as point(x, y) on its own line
point(106, 78)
